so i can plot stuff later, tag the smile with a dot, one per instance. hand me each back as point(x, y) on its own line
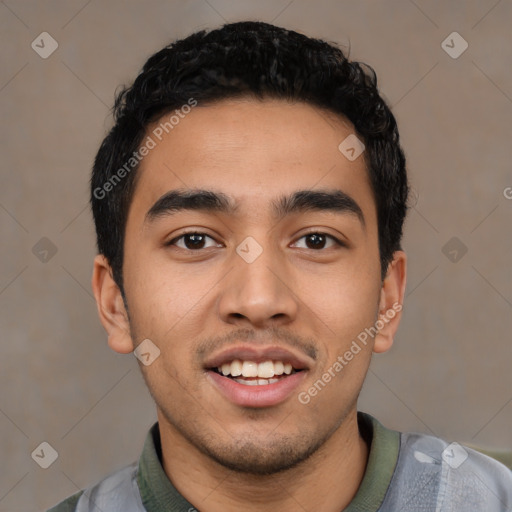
point(250, 373)
point(252, 384)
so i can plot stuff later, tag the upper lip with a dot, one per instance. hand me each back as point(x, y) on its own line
point(258, 355)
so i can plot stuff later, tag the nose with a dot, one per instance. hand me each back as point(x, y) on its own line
point(259, 293)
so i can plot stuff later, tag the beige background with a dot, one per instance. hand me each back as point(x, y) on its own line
point(449, 371)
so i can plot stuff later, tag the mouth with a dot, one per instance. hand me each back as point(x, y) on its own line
point(251, 378)
point(251, 373)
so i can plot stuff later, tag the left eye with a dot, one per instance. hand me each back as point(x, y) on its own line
point(317, 241)
point(193, 241)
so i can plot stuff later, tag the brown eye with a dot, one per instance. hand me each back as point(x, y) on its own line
point(317, 241)
point(193, 241)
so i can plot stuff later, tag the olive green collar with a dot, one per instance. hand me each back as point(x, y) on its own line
point(159, 495)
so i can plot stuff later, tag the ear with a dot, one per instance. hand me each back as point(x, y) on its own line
point(391, 300)
point(111, 308)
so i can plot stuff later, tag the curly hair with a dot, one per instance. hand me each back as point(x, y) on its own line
point(249, 59)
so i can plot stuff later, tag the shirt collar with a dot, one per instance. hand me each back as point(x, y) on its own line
point(159, 495)
point(156, 490)
point(384, 447)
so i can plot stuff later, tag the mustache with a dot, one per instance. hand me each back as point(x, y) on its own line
point(272, 335)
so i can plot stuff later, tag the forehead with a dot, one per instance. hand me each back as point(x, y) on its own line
point(253, 151)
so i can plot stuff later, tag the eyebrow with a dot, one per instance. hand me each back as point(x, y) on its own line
point(194, 199)
point(175, 201)
point(335, 201)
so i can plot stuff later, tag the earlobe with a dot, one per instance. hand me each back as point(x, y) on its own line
point(111, 308)
point(391, 300)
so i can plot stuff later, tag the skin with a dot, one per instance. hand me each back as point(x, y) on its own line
point(194, 302)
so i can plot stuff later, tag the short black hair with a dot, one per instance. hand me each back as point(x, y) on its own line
point(247, 59)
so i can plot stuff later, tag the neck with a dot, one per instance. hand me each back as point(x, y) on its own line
point(327, 481)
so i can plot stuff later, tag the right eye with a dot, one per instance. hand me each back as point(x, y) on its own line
point(193, 241)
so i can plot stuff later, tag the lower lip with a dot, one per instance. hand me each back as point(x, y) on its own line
point(265, 395)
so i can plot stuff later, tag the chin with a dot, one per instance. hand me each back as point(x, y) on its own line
point(263, 458)
point(251, 451)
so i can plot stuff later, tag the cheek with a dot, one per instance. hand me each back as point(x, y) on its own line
point(170, 307)
point(161, 296)
point(345, 300)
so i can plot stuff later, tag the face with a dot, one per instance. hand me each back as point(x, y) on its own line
point(267, 274)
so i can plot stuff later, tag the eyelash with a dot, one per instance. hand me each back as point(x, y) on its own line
point(183, 235)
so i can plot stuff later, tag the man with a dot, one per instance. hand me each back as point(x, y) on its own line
point(249, 204)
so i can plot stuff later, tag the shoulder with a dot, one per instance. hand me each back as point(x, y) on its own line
point(449, 476)
point(118, 492)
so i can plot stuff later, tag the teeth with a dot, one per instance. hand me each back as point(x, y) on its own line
point(256, 382)
point(247, 382)
point(236, 368)
point(278, 368)
point(266, 370)
point(249, 369)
